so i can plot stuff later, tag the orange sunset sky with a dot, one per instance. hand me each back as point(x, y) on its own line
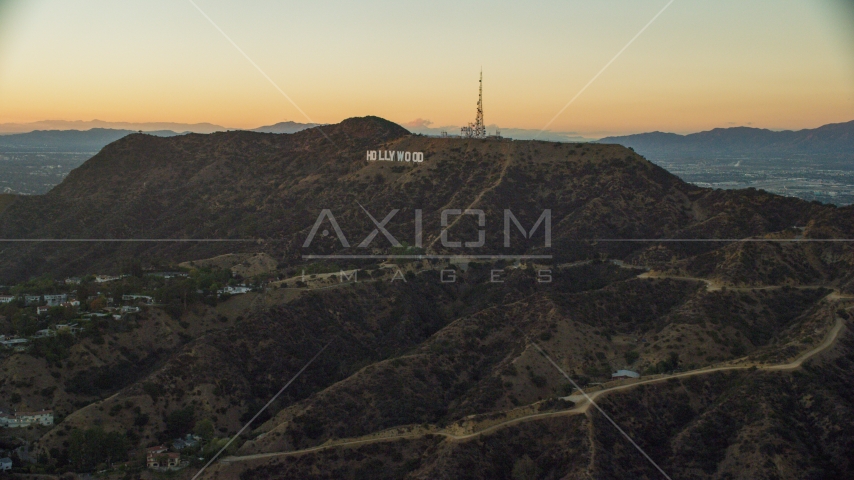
point(780, 64)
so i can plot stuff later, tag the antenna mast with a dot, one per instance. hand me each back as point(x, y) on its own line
point(477, 129)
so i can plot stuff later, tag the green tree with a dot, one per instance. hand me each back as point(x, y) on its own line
point(205, 429)
point(525, 469)
point(180, 422)
point(91, 447)
point(632, 356)
point(97, 304)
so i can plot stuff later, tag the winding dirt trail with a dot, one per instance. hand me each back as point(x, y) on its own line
point(581, 407)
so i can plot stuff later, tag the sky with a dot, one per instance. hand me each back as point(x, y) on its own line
point(779, 64)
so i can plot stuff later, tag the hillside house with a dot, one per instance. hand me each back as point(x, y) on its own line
point(42, 310)
point(138, 299)
point(32, 299)
point(71, 327)
point(189, 441)
point(130, 309)
point(239, 289)
point(621, 374)
point(106, 278)
point(14, 342)
point(5, 464)
point(151, 456)
point(55, 300)
point(44, 333)
point(157, 458)
point(7, 298)
point(168, 275)
point(25, 419)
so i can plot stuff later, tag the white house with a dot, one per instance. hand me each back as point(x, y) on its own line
point(55, 300)
point(144, 298)
point(168, 275)
point(32, 299)
point(620, 374)
point(5, 464)
point(14, 342)
point(45, 333)
point(235, 290)
point(42, 310)
point(129, 309)
point(25, 419)
point(7, 298)
point(106, 278)
point(72, 327)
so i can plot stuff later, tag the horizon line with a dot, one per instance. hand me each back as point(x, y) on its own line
point(117, 125)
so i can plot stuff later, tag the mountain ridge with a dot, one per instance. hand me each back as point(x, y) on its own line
point(831, 139)
point(82, 141)
point(270, 189)
point(12, 128)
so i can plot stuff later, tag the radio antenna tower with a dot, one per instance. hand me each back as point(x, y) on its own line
point(477, 129)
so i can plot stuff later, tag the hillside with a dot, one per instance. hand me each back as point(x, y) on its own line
point(6, 200)
point(744, 347)
point(245, 185)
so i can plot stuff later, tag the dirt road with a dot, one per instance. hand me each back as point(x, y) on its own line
point(581, 407)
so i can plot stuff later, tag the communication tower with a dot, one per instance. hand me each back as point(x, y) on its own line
point(476, 129)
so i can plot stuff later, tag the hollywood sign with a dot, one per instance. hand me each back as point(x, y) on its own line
point(394, 156)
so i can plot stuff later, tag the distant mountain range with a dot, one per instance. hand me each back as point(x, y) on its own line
point(834, 139)
point(50, 141)
point(147, 127)
point(285, 127)
point(95, 139)
point(828, 140)
point(7, 128)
